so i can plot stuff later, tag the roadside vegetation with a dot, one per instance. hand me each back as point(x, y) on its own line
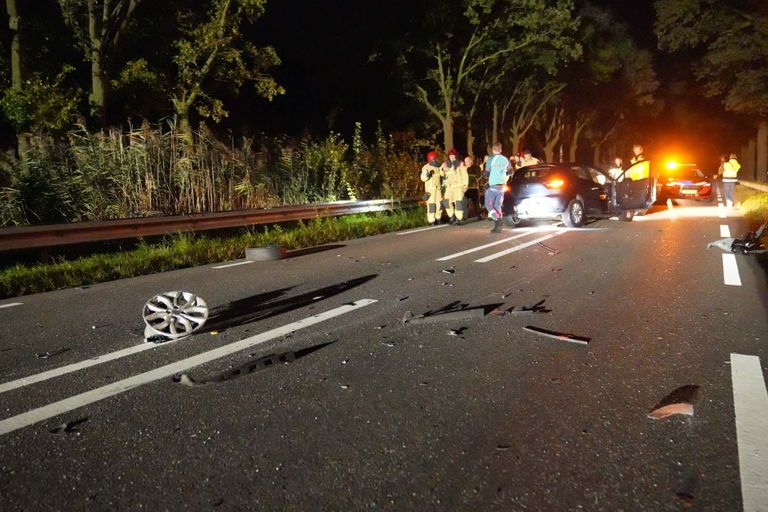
point(183, 251)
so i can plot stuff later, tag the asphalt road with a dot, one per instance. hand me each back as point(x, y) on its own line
point(372, 413)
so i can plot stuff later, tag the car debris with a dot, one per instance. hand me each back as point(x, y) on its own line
point(571, 338)
point(267, 253)
point(173, 315)
point(457, 332)
point(535, 309)
point(449, 270)
point(447, 315)
point(679, 401)
point(68, 427)
point(750, 244)
point(47, 354)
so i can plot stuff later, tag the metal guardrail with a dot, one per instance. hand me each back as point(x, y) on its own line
point(34, 237)
point(753, 184)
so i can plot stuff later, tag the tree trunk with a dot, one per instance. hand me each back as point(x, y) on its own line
point(98, 96)
point(182, 122)
point(495, 137)
point(762, 151)
point(17, 74)
point(750, 159)
point(515, 138)
point(448, 131)
point(596, 155)
point(470, 139)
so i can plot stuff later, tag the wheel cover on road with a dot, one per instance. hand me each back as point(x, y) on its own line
point(173, 315)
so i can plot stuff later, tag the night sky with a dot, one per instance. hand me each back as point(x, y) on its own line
point(325, 49)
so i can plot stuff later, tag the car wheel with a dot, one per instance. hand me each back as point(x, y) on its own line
point(512, 220)
point(574, 216)
point(627, 215)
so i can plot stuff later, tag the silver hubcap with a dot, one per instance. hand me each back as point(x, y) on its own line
point(577, 213)
point(173, 315)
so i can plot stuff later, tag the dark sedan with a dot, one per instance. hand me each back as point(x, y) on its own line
point(574, 192)
point(685, 181)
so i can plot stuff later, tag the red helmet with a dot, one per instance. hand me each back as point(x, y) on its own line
point(432, 155)
point(453, 152)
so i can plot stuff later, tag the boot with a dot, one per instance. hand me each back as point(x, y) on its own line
point(497, 226)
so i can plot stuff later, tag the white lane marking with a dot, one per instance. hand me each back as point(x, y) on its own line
point(518, 247)
point(731, 270)
point(94, 361)
point(721, 210)
point(11, 305)
point(750, 402)
point(725, 231)
point(95, 395)
point(481, 247)
point(234, 264)
point(421, 229)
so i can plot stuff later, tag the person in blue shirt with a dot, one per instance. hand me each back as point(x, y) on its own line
point(496, 168)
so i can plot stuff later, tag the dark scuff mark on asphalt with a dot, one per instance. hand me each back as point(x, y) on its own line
point(250, 367)
point(69, 427)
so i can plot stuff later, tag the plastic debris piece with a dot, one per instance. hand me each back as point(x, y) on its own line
point(571, 338)
point(503, 447)
point(679, 401)
point(449, 271)
point(345, 386)
point(68, 427)
point(345, 361)
point(46, 354)
point(388, 344)
point(457, 332)
point(99, 326)
point(750, 244)
point(401, 299)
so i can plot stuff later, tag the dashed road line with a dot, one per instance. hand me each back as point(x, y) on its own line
point(750, 402)
point(95, 395)
point(731, 275)
point(11, 305)
point(420, 230)
point(74, 367)
point(725, 231)
point(721, 210)
point(519, 247)
point(486, 246)
point(228, 265)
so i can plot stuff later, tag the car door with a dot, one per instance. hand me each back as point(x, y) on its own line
point(635, 188)
point(587, 188)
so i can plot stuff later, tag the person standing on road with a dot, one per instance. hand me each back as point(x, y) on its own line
point(455, 182)
point(719, 177)
point(496, 168)
point(472, 195)
point(431, 176)
point(637, 154)
point(730, 178)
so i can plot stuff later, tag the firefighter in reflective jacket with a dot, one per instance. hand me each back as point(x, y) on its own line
point(431, 175)
point(455, 182)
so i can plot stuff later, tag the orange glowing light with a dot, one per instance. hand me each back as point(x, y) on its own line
point(555, 183)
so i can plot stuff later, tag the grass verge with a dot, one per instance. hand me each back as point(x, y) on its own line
point(182, 251)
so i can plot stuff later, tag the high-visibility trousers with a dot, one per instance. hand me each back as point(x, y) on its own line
point(453, 202)
point(434, 205)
